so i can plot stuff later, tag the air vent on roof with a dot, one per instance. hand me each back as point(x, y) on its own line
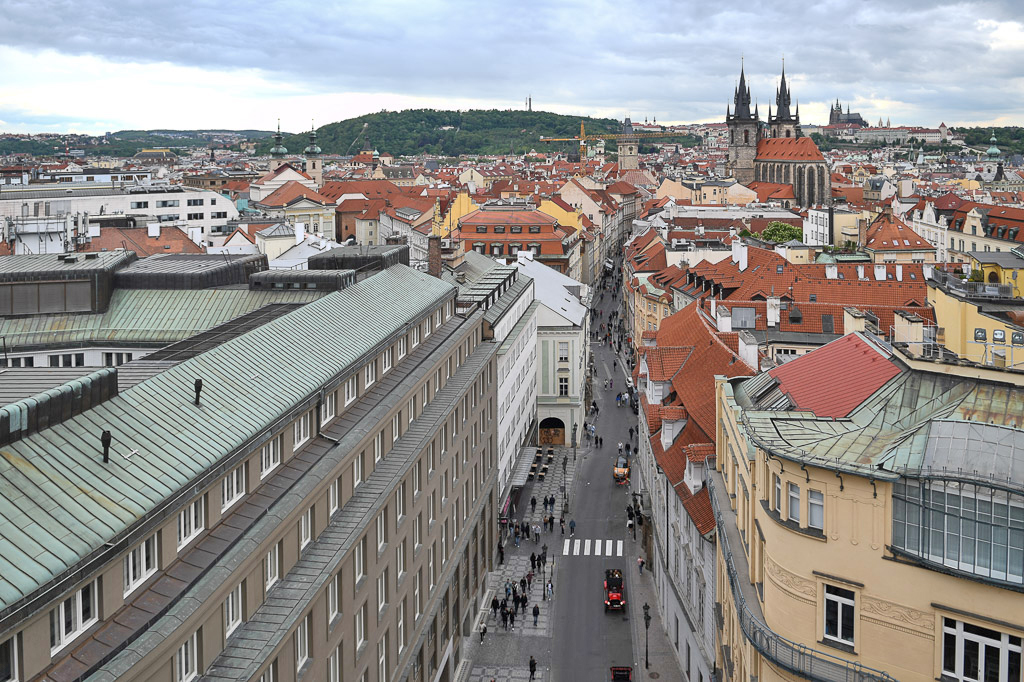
point(91, 256)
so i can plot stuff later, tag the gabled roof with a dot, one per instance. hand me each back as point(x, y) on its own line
point(278, 171)
point(806, 379)
point(137, 239)
point(293, 192)
point(889, 233)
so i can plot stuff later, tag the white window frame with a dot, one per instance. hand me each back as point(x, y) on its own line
point(11, 644)
point(417, 599)
point(378, 447)
point(351, 389)
point(139, 564)
point(357, 471)
point(382, 590)
point(333, 496)
point(272, 567)
point(411, 411)
point(400, 625)
point(270, 456)
point(191, 521)
point(186, 660)
point(359, 560)
point(75, 604)
point(382, 530)
point(332, 598)
point(417, 478)
point(360, 626)
point(843, 605)
point(417, 532)
point(232, 487)
point(415, 336)
point(370, 374)
point(400, 558)
point(233, 610)
point(815, 509)
point(956, 628)
point(778, 494)
point(270, 674)
point(330, 407)
point(388, 359)
point(302, 644)
point(403, 347)
point(382, 657)
point(793, 506)
point(563, 351)
point(424, 391)
point(301, 429)
point(334, 665)
point(396, 427)
point(306, 529)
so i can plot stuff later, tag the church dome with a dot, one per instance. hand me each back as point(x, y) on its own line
point(993, 151)
point(312, 149)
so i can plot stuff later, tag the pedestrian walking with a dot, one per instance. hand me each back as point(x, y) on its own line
point(533, 667)
point(504, 618)
point(533, 561)
point(618, 399)
point(613, 364)
point(551, 590)
point(517, 535)
point(483, 631)
point(529, 581)
point(536, 613)
point(501, 555)
point(572, 527)
point(522, 584)
point(640, 563)
point(536, 533)
point(631, 433)
point(561, 522)
point(620, 447)
point(522, 603)
point(494, 607)
point(512, 619)
point(533, 504)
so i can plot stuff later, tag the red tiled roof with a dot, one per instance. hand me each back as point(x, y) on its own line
point(137, 239)
point(699, 508)
point(788, 149)
point(889, 233)
point(771, 190)
point(865, 369)
point(371, 189)
point(490, 217)
point(291, 192)
point(277, 171)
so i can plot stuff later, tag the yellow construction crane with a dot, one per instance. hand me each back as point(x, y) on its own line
point(583, 137)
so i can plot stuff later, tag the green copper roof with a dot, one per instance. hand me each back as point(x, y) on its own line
point(61, 504)
point(146, 317)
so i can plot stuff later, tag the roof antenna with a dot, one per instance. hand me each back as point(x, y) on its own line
point(105, 439)
point(199, 389)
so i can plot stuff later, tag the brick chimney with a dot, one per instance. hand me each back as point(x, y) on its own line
point(434, 255)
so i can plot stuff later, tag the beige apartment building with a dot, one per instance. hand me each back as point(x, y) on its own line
point(870, 525)
point(321, 507)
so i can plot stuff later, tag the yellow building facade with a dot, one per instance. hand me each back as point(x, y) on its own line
point(966, 328)
point(837, 555)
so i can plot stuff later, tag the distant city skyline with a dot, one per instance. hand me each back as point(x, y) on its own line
point(91, 68)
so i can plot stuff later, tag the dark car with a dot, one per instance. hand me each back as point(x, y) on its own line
point(614, 590)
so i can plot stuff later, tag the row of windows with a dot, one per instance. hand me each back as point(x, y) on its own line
point(499, 249)
point(793, 505)
point(74, 615)
point(514, 229)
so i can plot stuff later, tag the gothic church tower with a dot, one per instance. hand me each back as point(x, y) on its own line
point(629, 148)
point(784, 123)
point(744, 133)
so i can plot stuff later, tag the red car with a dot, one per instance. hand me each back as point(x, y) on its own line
point(614, 590)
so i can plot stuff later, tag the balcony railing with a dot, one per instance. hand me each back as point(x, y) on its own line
point(796, 658)
point(960, 287)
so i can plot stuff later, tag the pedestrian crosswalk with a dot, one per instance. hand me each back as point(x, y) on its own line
point(588, 547)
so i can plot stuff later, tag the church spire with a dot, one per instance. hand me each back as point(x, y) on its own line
point(742, 97)
point(782, 98)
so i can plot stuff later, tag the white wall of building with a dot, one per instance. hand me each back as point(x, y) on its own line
point(517, 386)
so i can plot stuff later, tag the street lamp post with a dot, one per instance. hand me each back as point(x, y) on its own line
point(573, 442)
point(647, 635)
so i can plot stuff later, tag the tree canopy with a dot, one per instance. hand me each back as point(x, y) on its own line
point(780, 232)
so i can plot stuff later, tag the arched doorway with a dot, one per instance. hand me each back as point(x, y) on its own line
point(993, 277)
point(552, 431)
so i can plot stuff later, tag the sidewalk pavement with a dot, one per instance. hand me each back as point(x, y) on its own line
point(504, 655)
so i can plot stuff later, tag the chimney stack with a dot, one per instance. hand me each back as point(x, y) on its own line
point(105, 440)
point(434, 255)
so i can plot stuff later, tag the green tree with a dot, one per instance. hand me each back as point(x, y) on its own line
point(780, 232)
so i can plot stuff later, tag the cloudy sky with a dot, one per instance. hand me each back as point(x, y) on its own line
point(92, 66)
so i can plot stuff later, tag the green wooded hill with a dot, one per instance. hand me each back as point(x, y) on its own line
point(451, 133)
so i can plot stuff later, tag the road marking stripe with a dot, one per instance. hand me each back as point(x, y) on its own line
point(608, 548)
point(619, 549)
point(576, 548)
point(565, 547)
point(586, 548)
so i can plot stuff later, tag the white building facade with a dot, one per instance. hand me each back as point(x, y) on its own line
point(563, 327)
point(516, 334)
point(202, 214)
